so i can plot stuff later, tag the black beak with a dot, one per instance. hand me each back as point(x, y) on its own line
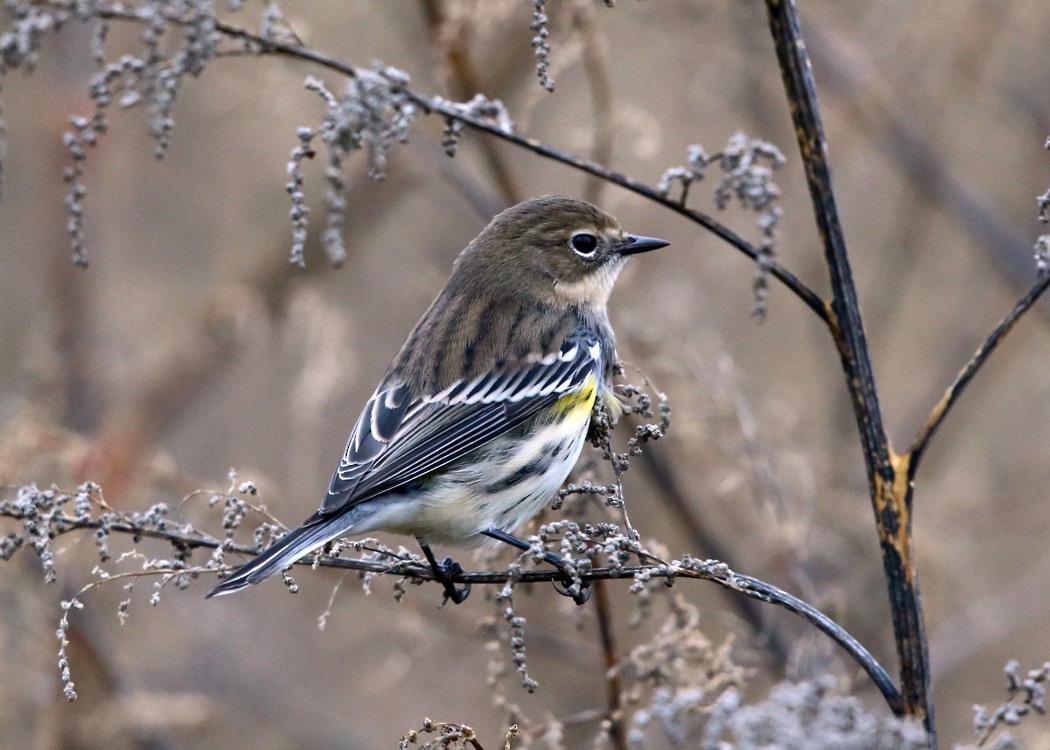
point(634, 244)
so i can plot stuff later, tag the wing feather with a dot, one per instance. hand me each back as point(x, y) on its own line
point(398, 439)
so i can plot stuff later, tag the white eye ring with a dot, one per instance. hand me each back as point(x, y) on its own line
point(584, 244)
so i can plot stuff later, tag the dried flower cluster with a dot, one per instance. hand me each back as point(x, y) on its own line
point(541, 43)
point(1042, 243)
point(747, 166)
point(478, 108)
point(178, 39)
point(372, 114)
point(448, 737)
point(1024, 695)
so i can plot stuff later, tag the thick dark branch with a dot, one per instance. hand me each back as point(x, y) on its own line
point(955, 390)
point(848, 329)
point(887, 474)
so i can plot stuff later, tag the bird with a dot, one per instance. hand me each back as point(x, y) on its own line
point(485, 409)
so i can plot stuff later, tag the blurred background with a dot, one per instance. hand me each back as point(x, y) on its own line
point(190, 347)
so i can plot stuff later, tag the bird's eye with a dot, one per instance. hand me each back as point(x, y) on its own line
point(584, 244)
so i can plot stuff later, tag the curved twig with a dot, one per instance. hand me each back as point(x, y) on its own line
point(435, 104)
point(705, 570)
point(967, 373)
point(764, 592)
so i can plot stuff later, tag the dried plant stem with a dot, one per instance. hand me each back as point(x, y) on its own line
point(688, 568)
point(444, 108)
point(889, 488)
point(967, 373)
point(890, 475)
point(611, 659)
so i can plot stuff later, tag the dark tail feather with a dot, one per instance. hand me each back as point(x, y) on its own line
point(278, 556)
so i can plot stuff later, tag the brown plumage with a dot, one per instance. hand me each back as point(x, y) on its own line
point(483, 412)
point(514, 293)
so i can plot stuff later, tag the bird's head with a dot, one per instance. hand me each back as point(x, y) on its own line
point(562, 249)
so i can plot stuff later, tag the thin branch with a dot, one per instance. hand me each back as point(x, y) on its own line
point(962, 380)
point(429, 104)
point(705, 570)
point(800, 289)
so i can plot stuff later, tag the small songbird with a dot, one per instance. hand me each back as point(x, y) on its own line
point(487, 405)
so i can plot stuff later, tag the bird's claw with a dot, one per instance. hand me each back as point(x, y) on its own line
point(448, 568)
point(564, 587)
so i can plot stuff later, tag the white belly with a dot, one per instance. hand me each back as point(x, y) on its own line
point(503, 485)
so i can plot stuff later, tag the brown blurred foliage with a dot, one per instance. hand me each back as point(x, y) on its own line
point(189, 347)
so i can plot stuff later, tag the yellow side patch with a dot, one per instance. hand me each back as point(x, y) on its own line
point(613, 405)
point(577, 403)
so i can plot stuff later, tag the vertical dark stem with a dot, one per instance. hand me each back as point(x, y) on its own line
point(846, 320)
point(612, 679)
point(887, 473)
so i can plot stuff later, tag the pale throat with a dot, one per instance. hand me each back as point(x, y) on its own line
point(592, 290)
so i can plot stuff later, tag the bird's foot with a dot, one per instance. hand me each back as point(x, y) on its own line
point(444, 572)
point(569, 585)
point(581, 596)
point(564, 585)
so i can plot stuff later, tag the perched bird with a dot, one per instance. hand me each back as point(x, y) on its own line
point(486, 407)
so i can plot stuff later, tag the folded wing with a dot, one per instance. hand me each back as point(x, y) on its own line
point(398, 439)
